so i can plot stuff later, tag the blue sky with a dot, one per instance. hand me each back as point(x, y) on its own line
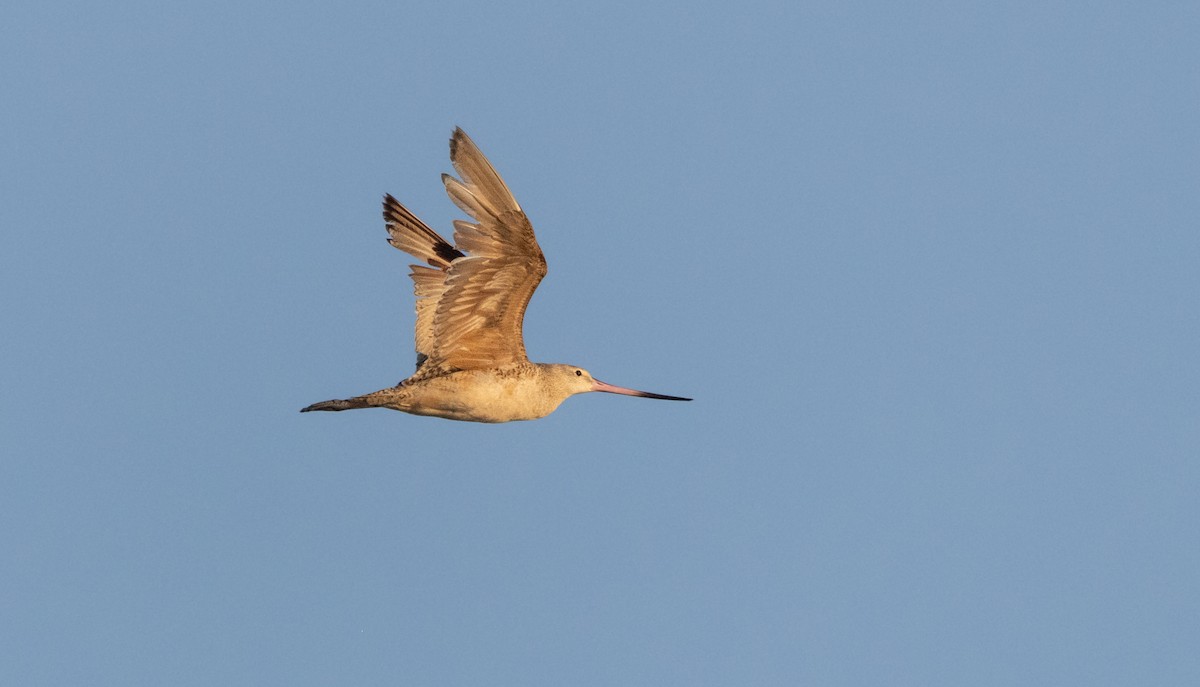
point(928, 269)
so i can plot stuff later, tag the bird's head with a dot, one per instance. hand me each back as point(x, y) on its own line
point(571, 380)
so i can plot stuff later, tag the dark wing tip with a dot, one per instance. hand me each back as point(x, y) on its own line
point(458, 140)
point(392, 209)
point(446, 252)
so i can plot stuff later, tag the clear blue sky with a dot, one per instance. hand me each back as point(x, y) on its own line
point(930, 271)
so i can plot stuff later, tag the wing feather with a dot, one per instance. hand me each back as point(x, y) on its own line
point(411, 235)
point(470, 308)
point(428, 285)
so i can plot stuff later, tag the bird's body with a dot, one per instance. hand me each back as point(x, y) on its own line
point(521, 391)
point(471, 300)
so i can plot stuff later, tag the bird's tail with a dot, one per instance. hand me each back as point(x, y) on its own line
point(338, 404)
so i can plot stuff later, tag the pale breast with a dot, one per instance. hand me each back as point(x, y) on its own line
point(503, 395)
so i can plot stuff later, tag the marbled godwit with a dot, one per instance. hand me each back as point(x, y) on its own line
point(471, 362)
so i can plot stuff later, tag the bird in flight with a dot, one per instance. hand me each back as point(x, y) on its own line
point(471, 299)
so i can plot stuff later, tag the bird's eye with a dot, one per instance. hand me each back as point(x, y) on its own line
point(578, 373)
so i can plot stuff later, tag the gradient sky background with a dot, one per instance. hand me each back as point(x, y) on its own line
point(930, 271)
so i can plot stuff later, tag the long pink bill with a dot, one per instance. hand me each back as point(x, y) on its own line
point(598, 385)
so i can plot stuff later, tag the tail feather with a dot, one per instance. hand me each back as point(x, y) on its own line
point(337, 404)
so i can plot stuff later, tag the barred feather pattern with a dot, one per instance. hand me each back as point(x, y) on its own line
point(472, 297)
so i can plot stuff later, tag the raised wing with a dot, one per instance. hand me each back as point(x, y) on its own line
point(414, 237)
point(470, 309)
